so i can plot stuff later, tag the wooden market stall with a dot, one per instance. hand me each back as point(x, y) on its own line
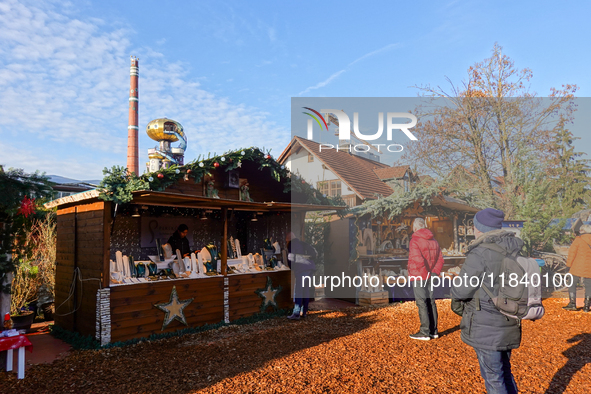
point(90, 231)
point(380, 243)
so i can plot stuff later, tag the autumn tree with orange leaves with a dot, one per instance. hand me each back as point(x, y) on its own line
point(490, 131)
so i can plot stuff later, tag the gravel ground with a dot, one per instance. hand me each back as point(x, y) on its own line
point(357, 350)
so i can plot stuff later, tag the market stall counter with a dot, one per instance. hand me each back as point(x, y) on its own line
point(114, 282)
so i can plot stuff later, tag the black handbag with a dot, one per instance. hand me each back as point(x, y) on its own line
point(457, 306)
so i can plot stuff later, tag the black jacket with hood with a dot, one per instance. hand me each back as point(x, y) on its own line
point(487, 328)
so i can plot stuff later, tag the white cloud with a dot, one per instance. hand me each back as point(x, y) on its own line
point(338, 73)
point(373, 53)
point(265, 63)
point(65, 81)
point(272, 34)
point(32, 158)
point(322, 84)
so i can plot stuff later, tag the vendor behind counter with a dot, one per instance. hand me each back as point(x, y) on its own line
point(179, 241)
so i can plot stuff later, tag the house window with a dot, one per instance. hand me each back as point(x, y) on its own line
point(310, 157)
point(58, 194)
point(330, 188)
point(335, 188)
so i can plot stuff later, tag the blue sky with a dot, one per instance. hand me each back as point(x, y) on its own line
point(227, 70)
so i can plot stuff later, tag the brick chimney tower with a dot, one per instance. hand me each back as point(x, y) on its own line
point(132, 129)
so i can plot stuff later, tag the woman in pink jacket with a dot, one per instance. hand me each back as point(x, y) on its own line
point(425, 259)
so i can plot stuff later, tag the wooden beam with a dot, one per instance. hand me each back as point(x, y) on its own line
point(75, 297)
point(106, 274)
point(225, 242)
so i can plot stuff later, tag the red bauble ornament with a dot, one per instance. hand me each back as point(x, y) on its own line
point(268, 157)
point(189, 171)
point(303, 182)
point(161, 175)
point(216, 164)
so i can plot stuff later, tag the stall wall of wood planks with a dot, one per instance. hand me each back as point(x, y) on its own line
point(80, 264)
point(243, 300)
point(133, 314)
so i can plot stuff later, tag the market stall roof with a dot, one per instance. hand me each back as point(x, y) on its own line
point(451, 203)
point(454, 203)
point(149, 197)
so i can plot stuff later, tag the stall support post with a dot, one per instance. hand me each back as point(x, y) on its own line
point(456, 245)
point(106, 278)
point(225, 242)
point(75, 274)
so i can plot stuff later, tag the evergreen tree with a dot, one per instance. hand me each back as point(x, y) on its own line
point(572, 174)
point(535, 203)
point(18, 192)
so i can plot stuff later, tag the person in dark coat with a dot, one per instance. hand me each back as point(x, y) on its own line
point(302, 257)
point(492, 334)
point(424, 259)
point(179, 241)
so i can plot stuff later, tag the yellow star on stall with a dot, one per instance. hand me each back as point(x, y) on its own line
point(174, 308)
point(269, 295)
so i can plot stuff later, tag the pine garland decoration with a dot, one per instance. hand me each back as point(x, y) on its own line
point(118, 185)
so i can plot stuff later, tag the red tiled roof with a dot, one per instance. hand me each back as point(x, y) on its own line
point(426, 179)
point(391, 172)
point(357, 172)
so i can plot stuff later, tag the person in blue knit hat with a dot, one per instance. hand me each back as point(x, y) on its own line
point(489, 219)
point(492, 335)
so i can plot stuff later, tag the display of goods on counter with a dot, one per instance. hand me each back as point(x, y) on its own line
point(397, 252)
point(455, 271)
point(203, 264)
point(451, 253)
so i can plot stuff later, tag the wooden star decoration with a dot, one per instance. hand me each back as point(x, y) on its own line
point(174, 309)
point(239, 164)
point(269, 295)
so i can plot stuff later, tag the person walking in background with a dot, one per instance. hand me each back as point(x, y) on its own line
point(579, 261)
point(425, 259)
point(491, 334)
point(302, 257)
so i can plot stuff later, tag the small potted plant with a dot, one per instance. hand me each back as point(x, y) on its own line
point(23, 289)
point(45, 301)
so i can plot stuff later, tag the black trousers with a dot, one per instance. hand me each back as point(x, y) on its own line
point(427, 308)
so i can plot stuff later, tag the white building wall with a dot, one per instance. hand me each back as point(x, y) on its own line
point(312, 172)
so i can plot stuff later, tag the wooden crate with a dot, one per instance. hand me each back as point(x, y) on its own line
point(376, 298)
